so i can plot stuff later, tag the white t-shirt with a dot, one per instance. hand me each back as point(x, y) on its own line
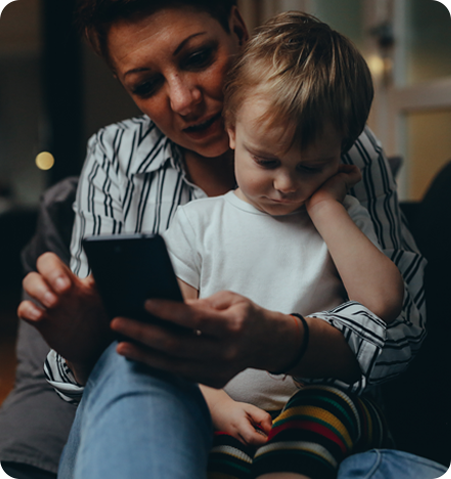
point(279, 262)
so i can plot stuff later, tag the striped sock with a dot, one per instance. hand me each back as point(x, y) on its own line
point(317, 429)
point(229, 458)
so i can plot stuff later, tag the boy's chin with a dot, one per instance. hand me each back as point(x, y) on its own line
point(283, 209)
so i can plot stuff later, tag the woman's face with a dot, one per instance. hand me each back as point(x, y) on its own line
point(173, 65)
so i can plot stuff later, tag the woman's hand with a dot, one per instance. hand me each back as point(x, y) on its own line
point(68, 312)
point(234, 334)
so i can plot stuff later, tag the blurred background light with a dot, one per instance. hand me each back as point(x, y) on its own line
point(45, 161)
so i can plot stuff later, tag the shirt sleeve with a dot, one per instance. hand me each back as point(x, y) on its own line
point(383, 351)
point(361, 218)
point(61, 378)
point(185, 254)
point(98, 204)
point(97, 211)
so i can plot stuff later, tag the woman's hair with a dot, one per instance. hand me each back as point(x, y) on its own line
point(94, 17)
point(308, 73)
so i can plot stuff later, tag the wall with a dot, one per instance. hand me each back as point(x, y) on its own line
point(20, 100)
point(22, 126)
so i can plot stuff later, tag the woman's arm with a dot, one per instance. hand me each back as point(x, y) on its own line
point(384, 352)
point(369, 277)
point(235, 334)
point(98, 206)
point(67, 302)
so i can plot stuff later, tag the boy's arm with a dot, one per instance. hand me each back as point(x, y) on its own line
point(369, 277)
point(188, 292)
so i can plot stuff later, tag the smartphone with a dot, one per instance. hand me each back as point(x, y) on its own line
point(130, 268)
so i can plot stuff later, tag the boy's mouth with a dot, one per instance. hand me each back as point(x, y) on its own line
point(285, 201)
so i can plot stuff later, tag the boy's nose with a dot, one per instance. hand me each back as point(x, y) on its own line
point(285, 184)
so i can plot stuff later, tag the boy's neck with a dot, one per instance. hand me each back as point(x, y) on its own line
point(215, 176)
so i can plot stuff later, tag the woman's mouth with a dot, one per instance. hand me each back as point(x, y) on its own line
point(205, 128)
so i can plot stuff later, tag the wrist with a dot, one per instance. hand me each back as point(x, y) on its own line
point(286, 339)
point(324, 206)
point(81, 371)
point(302, 336)
point(220, 411)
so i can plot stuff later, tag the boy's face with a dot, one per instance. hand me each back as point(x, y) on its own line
point(271, 176)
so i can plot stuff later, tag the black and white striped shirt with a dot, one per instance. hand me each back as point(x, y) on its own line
point(133, 180)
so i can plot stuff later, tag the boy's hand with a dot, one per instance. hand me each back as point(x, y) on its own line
point(245, 422)
point(336, 187)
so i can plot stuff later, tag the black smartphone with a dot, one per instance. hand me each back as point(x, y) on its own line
point(130, 268)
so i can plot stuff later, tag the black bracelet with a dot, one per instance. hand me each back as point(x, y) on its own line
point(303, 348)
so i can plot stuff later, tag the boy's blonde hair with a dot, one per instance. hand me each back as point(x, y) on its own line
point(308, 73)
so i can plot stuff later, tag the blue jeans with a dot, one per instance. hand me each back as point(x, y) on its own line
point(141, 424)
point(136, 423)
point(389, 464)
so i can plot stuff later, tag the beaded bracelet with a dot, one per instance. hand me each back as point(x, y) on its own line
point(304, 344)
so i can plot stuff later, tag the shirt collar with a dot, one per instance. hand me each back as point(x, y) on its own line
point(152, 149)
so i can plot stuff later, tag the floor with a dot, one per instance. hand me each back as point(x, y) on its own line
point(8, 328)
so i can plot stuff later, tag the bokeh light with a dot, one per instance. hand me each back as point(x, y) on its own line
point(45, 161)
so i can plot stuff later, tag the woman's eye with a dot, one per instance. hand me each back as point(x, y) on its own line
point(147, 88)
point(200, 59)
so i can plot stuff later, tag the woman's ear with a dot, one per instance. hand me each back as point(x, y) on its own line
point(238, 26)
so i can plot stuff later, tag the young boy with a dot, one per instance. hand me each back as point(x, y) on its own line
point(290, 239)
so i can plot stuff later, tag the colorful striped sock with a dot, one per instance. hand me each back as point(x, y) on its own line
point(317, 429)
point(229, 458)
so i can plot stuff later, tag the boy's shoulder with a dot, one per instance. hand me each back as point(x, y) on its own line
point(201, 211)
point(203, 205)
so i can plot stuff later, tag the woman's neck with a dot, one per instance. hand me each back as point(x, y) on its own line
point(215, 176)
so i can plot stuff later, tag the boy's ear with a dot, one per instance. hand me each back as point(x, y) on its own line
point(231, 133)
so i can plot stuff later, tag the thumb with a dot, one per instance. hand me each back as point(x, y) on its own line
point(219, 301)
point(265, 423)
point(260, 418)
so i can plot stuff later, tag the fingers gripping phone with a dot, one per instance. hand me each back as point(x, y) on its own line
point(128, 269)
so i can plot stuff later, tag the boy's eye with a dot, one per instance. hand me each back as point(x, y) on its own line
point(265, 162)
point(310, 169)
point(148, 87)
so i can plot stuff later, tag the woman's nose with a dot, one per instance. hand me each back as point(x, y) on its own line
point(183, 96)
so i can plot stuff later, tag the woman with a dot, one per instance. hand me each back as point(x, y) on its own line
point(172, 57)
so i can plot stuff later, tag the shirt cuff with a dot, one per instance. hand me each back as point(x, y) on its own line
point(364, 332)
point(61, 378)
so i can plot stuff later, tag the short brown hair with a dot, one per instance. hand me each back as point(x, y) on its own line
point(308, 73)
point(94, 17)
